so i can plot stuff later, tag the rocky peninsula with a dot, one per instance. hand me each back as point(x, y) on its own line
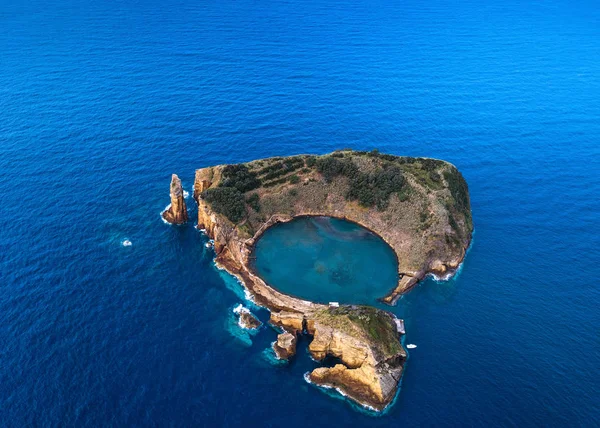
point(419, 206)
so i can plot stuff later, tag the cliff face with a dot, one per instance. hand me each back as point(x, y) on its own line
point(427, 222)
point(177, 211)
point(421, 209)
point(365, 374)
point(285, 346)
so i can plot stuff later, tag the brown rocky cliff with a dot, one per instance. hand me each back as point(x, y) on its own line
point(364, 375)
point(285, 346)
point(177, 211)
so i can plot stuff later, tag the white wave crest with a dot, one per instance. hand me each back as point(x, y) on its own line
point(339, 391)
point(162, 212)
point(240, 309)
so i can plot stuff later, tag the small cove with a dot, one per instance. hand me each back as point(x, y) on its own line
point(324, 259)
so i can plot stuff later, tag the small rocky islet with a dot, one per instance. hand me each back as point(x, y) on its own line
point(419, 206)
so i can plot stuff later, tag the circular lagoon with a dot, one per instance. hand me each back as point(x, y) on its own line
point(323, 259)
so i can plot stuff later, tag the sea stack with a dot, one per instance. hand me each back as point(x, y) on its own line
point(177, 211)
point(285, 346)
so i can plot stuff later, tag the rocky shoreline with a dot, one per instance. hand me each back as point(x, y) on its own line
point(371, 374)
point(365, 340)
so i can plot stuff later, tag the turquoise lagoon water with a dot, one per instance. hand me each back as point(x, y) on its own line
point(326, 260)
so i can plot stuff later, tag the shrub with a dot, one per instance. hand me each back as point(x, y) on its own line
point(294, 179)
point(430, 164)
point(331, 167)
point(375, 189)
point(228, 201)
point(240, 177)
point(460, 193)
point(275, 182)
point(254, 201)
point(434, 176)
point(281, 168)
point(458, 189)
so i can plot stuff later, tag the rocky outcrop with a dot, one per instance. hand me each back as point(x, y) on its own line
point(335, 334)
point(285, 346)
point(428, 225)
point(249, 321)
point(176, 213)
point(246, 319)
point(290, 321)
point(429, 233)
point(370, 368)
point(371, 386)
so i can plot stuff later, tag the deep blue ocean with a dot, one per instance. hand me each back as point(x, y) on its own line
point(101, 101)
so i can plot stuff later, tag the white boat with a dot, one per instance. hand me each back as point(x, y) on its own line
point(411, 346)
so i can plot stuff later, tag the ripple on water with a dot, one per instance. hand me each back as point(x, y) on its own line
point(325, 259)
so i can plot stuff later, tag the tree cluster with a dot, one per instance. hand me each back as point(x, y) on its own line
point(369, 189)
point(330, 167)
point(254, 201)
point(228, 201)
point(240, 177)
point(458, 189)
point(375, 189)
point(281, 168)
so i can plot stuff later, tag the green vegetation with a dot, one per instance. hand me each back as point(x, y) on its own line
point(228, 201)
point(458, 189)
point(254, 201)
point(375, 189)
point(281, 168)
point(239, 177)
point(276, 182)
point(330, 167)
point(369, 178)
point(376, 324)
point(369, 189)
point(311, 161)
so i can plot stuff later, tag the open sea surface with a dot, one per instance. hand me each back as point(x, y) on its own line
point(100, 101)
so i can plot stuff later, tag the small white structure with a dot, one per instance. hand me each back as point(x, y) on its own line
point(399, 325)
point(334, 305)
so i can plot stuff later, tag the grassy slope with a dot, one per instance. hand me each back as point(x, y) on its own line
point(373, 325)
point(431, 210)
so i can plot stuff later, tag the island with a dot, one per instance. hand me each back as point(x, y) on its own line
point(419, 206)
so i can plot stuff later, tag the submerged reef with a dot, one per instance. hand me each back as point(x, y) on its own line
point(419, 206)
